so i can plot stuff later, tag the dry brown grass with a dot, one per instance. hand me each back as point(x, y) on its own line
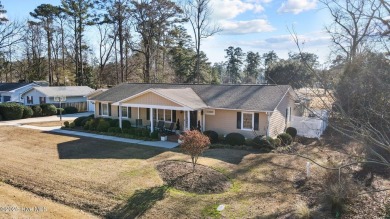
point(109, 178)
point(16, 198)
point(120, 180)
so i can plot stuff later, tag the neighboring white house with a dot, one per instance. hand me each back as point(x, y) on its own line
point(12, 92)
point(91, 103)
point(75, 96)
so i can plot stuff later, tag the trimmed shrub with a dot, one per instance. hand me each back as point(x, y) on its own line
point(126, 124)
point(213, 136)
point(145, 133)
point(256, 140)
point(93, 123)
point(235, 139)
point(78, 120)
point(71, 110)
point(127, 131)
point(84, 121)
point(11, 111)
point(72, 125)
point(285, 139)
point(262, 142)
point(292, 131)
point(66, 124)
point(115, 130)
point(48, 109)
point(60, 111)
point(1, 117)
point(115, 123)
point(154, 134)
point(27, 112)
point(37, 111)
point(277, 142)
point(107, 119)
point(103, 125)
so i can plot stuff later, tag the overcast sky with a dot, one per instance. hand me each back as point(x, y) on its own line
point(253, 25)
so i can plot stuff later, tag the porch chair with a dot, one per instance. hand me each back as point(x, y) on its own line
point(169, 130)
point(160, 126)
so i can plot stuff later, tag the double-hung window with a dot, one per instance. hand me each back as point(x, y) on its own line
point(124, 111)
point(42, 100)
point(162, 115)
point(30, 99)
point(168, 116)
point(247, 121)
point(105, 109)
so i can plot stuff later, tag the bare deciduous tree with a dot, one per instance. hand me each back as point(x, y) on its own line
point(352, 26)
point(198, 13)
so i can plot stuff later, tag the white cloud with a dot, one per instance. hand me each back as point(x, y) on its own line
point(297, 6)
point(316, 39)
point(229, 9)
point(245, 27)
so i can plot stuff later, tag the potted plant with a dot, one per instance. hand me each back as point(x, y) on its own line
point(163, 136)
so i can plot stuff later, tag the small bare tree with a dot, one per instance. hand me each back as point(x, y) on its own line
point(194, 143)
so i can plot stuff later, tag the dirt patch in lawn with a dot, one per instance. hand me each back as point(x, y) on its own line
point(204, 180)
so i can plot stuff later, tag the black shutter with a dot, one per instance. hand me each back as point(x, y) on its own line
point(128, 112)
point(118, 110)
point(147, 113)
point(109, 109)
point(173, 115)
point(256, 125)
point(100, 108)
point(238, 120)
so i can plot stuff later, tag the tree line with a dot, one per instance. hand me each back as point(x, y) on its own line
point(138, 41)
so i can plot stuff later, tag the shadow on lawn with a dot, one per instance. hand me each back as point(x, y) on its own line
point(91, 148)
point(139, 203)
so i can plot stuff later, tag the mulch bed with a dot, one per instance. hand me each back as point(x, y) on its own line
point(204, 180)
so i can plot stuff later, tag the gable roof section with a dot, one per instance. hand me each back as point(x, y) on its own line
point(185, 97)
point(12, 86)
point(68, 91)
point(242, 97)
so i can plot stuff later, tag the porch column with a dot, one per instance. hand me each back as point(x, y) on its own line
point(138, 112)
point(203, 121)
point(120, 115)
point(188, 120)
point(151, 120)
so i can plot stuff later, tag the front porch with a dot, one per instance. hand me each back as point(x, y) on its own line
point(163, 109)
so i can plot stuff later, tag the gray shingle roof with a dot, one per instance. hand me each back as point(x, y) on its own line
point(69, 91)
point(247, 97)
point(11, 86)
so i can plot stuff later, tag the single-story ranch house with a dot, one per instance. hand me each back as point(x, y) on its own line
point(74, 96)
point(248, 109)
point(12, 92)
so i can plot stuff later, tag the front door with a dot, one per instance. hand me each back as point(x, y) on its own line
point(193, 120)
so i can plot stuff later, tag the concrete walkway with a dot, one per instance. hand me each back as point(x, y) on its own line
point(66, 117)
point(71, 117)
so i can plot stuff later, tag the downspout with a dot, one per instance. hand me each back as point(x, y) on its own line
point(120, 114)
point(268, 120)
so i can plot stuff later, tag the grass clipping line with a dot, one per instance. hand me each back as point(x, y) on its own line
point(204, 180)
